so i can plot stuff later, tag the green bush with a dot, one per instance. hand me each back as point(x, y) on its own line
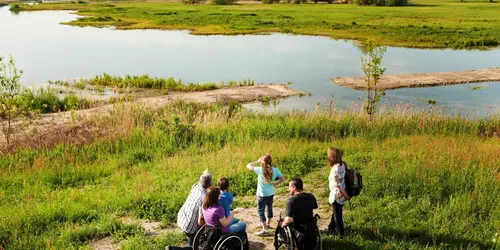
point(382, 2)
point(223, 2)
point(192, 1)
point(270, 1)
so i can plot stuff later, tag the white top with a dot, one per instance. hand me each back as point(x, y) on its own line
point(336, 178)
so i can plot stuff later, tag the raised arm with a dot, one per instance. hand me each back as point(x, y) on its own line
point(251, 165)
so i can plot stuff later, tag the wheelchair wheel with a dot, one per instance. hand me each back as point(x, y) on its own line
point(232, 242)
point(283, 237)
point(319, 241)
point(196, 240)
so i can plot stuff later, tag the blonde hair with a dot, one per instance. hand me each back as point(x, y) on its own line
point(267, 169)
point(334, 156)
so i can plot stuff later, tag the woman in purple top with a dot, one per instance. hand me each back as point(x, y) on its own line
point(214, 215)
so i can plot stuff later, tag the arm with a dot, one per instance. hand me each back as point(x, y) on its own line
point(251, 165)
point(343, 192)
point(224, 221)
point(287, 221)
point(281, 180)
point(201, 220)
point(289, 212)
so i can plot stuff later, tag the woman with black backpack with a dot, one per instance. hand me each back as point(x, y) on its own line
point(338, 193)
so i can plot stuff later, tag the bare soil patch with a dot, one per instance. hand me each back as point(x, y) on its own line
point(247, 215)
point(50, 129)
point(418, 80)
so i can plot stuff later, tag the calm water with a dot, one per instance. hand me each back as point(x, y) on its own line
point(47, 50)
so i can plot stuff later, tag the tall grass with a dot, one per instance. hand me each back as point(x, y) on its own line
point(145, 81)
point(48, 101)
point(430, 181)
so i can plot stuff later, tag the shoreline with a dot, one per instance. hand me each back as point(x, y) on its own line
point(419, 80)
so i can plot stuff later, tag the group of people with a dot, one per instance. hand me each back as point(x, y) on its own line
point(210, 205)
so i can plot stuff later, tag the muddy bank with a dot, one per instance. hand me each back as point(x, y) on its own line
point(60, 122)
point(424, 79)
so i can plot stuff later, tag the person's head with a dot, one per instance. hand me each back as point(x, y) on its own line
point(334, 156)
point(211, 197)
point(267, 169)
point(295, 185)
point(206, 179)
point(223, 184)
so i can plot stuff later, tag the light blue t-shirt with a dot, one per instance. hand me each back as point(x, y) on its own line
point(266, 189)
point(225, 201)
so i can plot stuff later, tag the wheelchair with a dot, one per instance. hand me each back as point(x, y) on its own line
point(211, 238)
point(287, 236)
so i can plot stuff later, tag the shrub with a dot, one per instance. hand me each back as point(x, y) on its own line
point(192, 1)
point(382, 2)
point(223, 2)
point(270, 1)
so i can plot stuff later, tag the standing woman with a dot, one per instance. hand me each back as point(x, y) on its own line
point(267, 174)
point(338, 194)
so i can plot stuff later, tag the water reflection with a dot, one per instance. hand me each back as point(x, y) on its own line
point(46, 50)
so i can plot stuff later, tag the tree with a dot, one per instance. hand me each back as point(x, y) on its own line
point(10, 90)
point(372, 70)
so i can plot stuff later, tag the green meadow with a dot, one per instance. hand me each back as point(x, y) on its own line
point(430, 181)
point(422, 24)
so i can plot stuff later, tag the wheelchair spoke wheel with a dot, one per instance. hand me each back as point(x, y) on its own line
point(232, 242)
point(319, 241)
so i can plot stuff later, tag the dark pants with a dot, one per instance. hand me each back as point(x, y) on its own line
point(308, 240)
point(190, 238)
point(336, 223)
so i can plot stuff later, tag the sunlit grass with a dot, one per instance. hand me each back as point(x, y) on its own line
point(424, 23)
point(429, 180)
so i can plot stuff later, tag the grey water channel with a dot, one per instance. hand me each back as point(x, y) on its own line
point(47, 50)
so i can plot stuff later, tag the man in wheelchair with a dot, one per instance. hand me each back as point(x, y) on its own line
point(299, 223)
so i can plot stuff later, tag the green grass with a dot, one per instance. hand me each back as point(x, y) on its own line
point(423, 24)
point(48, 101)
point(145, 81)
point(429, 181)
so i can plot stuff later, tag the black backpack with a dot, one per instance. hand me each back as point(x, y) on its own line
point(353, 181)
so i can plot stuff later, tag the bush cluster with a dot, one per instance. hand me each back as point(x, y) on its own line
point(382, 2)
point(47, 101)
point(223, 2)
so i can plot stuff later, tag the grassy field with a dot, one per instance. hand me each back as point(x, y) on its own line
point(423, 24)
point(430, 181)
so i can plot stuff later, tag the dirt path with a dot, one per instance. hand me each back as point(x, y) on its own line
point(52, 122)
point(424, 79)
point(248, 215)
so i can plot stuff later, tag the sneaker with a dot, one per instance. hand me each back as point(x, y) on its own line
point(269, 227)
point(263, 233)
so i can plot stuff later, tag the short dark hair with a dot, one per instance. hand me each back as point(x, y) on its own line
point(297, 183)
point(223, 183)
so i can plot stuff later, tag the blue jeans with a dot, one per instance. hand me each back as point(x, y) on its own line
point(262, 203)
point(238, 226)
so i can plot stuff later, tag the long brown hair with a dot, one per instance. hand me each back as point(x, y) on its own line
point(211, 197)
point(267, 169)
point(334, 156)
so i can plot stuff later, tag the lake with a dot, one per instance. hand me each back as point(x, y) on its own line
point(47, 50)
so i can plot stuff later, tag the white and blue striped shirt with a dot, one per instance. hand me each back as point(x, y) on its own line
point(187, 218)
